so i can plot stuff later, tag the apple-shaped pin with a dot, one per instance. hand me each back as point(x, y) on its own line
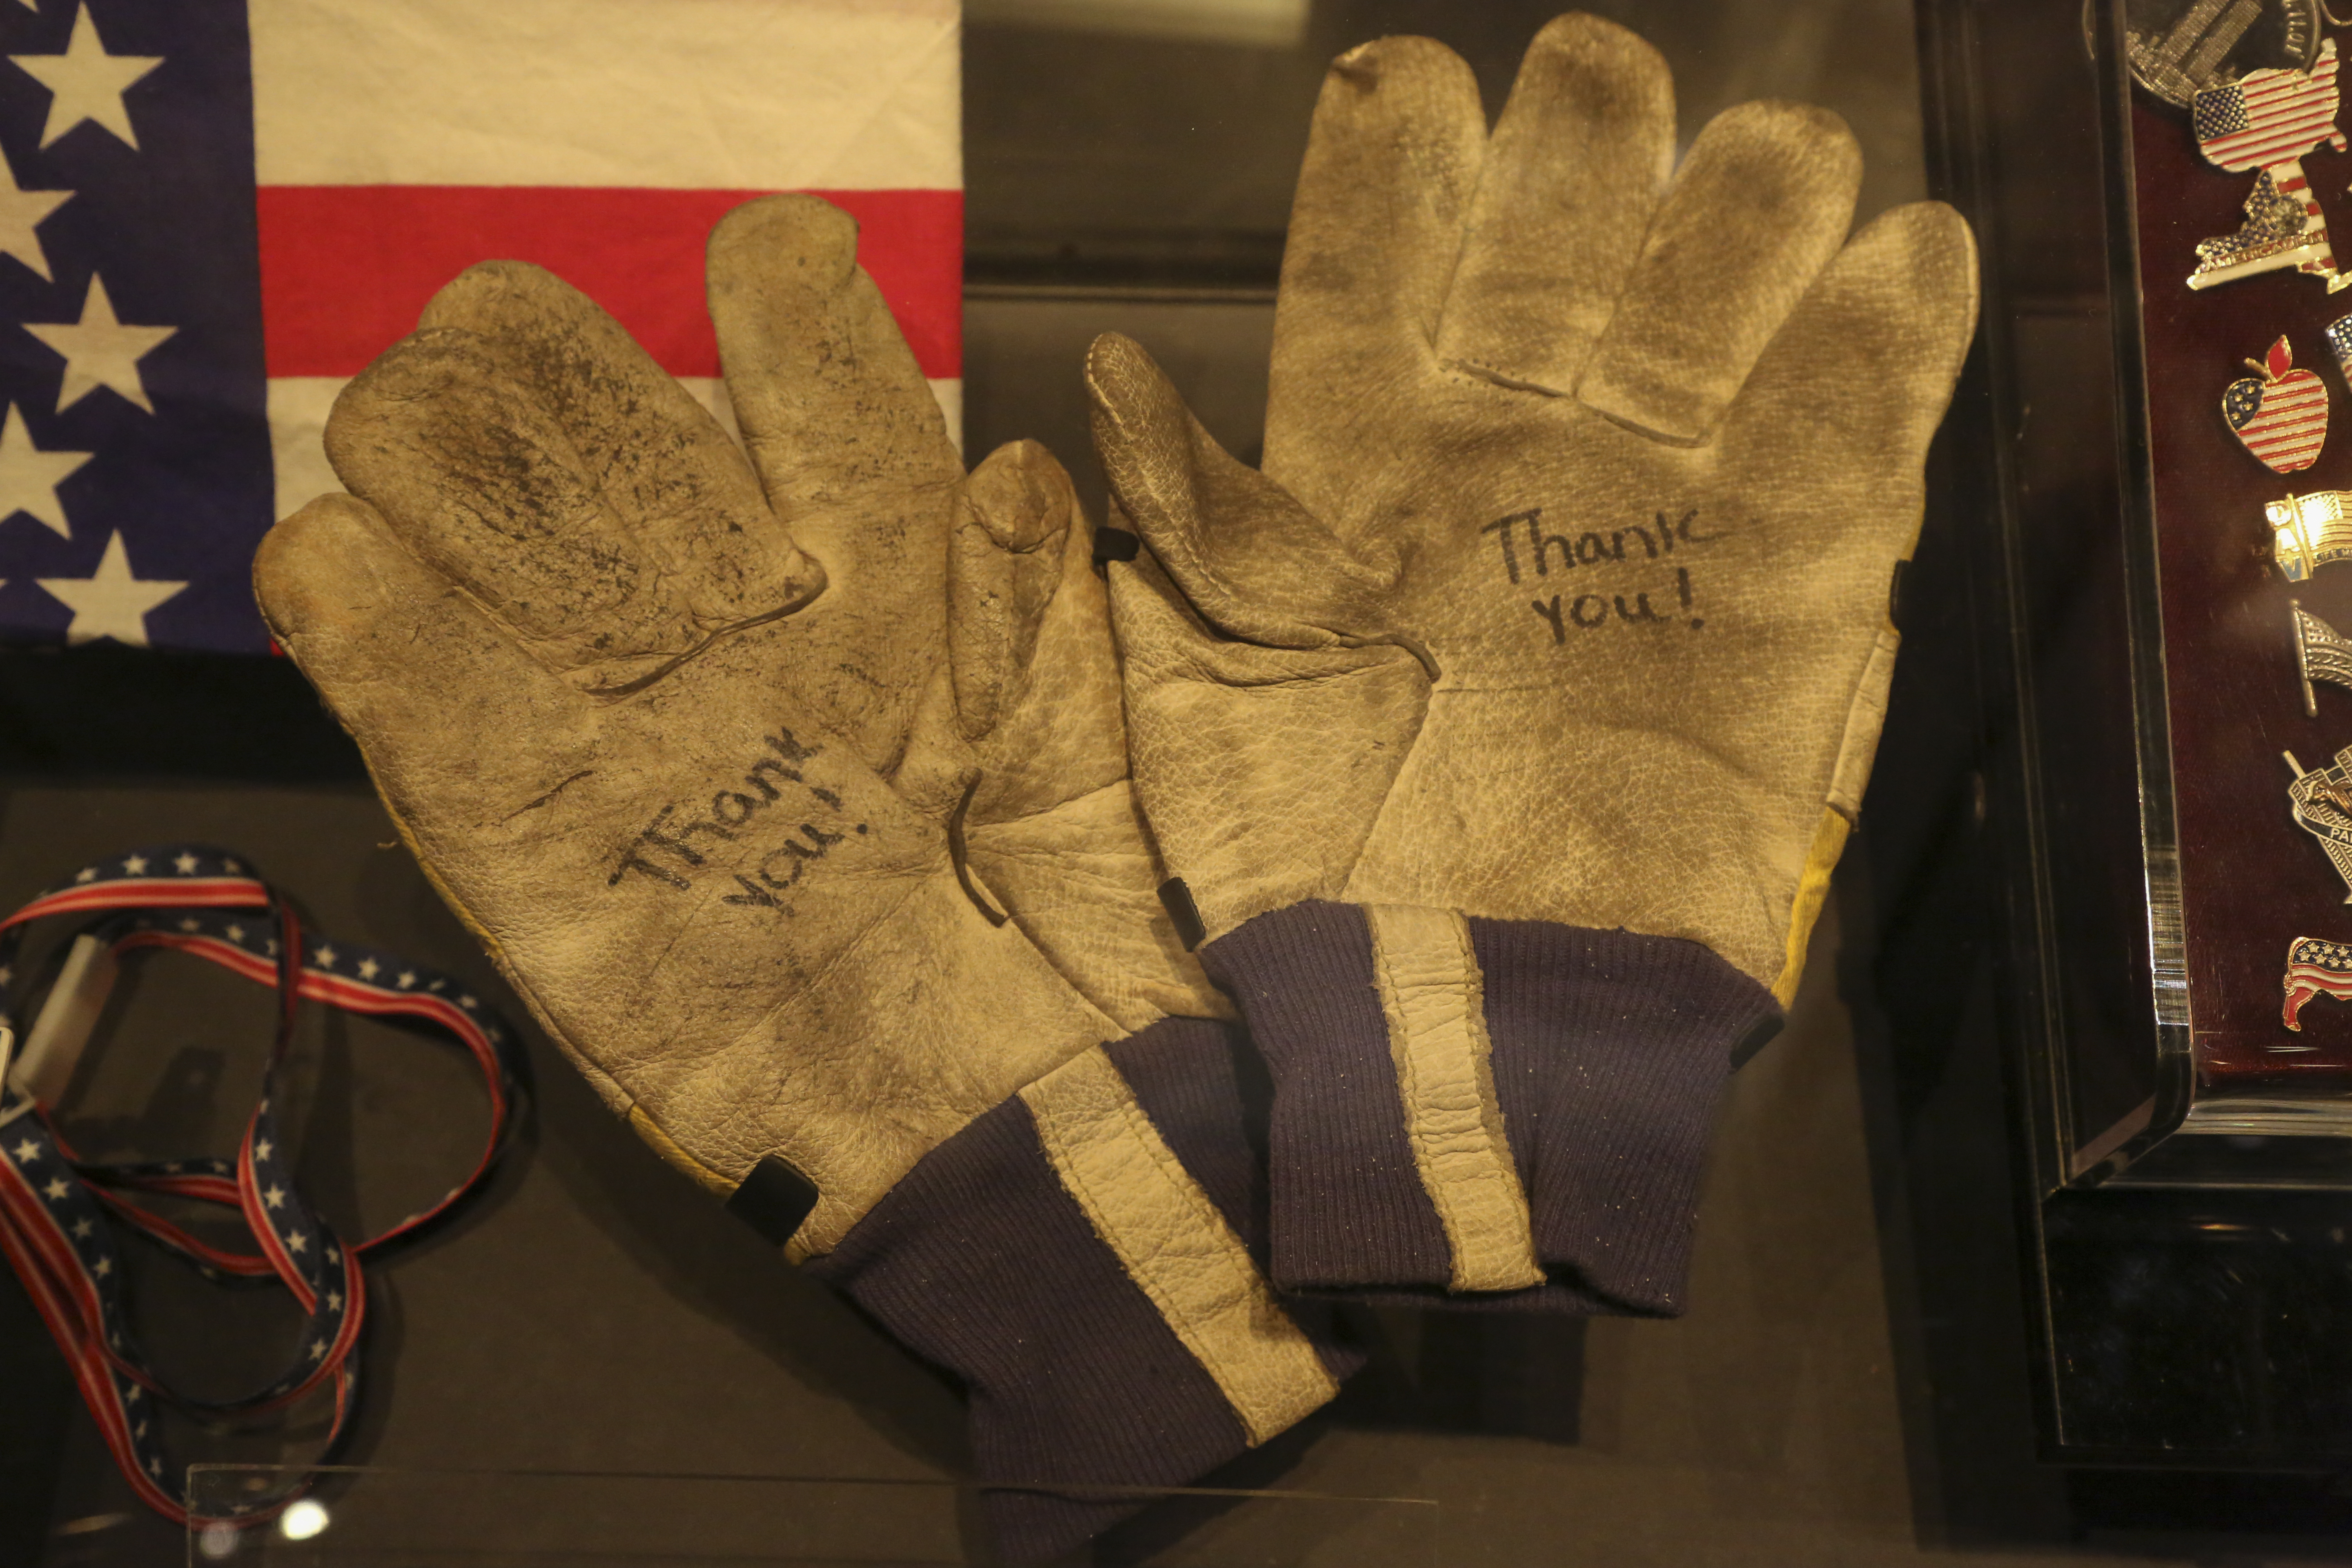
point(2282, 417)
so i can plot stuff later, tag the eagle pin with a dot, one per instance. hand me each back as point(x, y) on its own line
point(2282, 418)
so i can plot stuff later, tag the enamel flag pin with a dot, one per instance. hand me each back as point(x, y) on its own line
point(2264, 123)
point(2321, 801)
point(2316, 967)
point(2281, 418)
point(2319, 655)
point(2308, 531)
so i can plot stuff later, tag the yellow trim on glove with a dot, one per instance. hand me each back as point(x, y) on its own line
point(664, 1145)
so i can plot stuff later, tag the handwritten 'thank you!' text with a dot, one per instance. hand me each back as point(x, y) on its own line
point(1526, 549)
point(670, 850)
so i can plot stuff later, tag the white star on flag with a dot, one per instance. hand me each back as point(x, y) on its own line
point(103, 1265)
point(27, 1152)
point(81, 1229)
point(318, 1349)
point(99, 349)
point(87, 874)
point(110, 602)
point(86, 83)
point(326, 957)
point(29, 477)
point(407, 978)
point(56, 1190)
point(334, 1300)
point(135, 866)
point(369, 968)
point(261, 1149)
point(274, 1197)
point(188, 925)
point(21, 213)
point(298, 1242)
point(185, 865)
point(234, 934)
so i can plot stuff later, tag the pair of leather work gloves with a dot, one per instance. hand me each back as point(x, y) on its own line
point(1493, 742)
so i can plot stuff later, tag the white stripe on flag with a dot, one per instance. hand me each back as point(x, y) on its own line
point(666, 94)
point(298, 406)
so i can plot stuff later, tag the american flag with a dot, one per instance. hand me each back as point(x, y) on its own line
point(2316, 967)
point(2269, 117)
point(214, 213)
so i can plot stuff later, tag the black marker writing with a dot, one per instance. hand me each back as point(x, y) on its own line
point(1589, 612)
point(1588, 549)
point(783, 866)
point(665, 850)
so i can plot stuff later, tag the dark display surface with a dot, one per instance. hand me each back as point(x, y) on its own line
point(2182, 1317)
point(2098, 658)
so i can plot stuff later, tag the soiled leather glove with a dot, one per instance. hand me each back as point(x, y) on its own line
point(737, 767)
point(1503, 730)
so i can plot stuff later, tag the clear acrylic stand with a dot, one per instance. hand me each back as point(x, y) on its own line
point(356, 1517)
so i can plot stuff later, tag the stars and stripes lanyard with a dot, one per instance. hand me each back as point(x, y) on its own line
point(55, 1208)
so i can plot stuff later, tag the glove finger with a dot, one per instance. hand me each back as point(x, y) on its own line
point(1860, 376)
point(826, 391)
point(1579, 161)
point(1252, 561)
point(1005, 565)
point(1391, 160)
point(477, 476)
point(436, 696)
point(852, 451)
point(1758, 209)
point(683, 492)
point(1052, 826)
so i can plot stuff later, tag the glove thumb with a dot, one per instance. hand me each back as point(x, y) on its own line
point(1255, 564)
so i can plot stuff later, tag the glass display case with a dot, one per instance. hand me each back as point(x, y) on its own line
point(2024, 1238)
point(2114, 729)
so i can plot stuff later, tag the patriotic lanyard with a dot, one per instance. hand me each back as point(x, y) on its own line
point(55, 1208)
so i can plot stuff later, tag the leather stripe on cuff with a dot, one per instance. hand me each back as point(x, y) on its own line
point(1484, 1112)
point(1098, 1302)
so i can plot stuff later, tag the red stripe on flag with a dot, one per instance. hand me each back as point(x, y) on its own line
point(345, 270)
